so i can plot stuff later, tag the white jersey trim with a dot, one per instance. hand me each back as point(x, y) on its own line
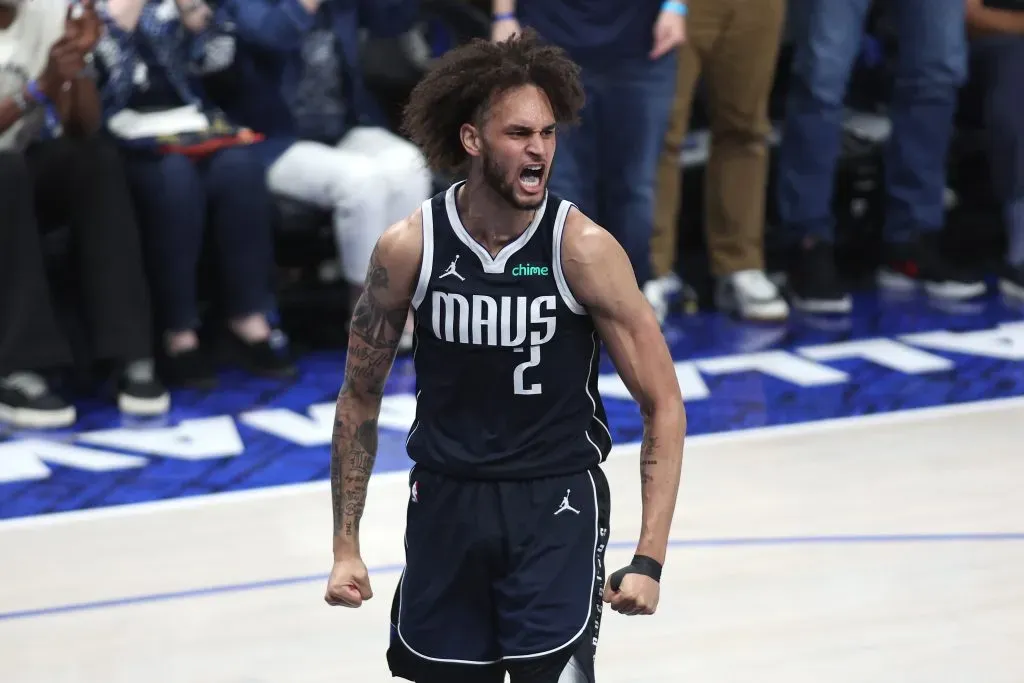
point(427, 262)
point(593, 405)
point(495, 264)
point(556, 260)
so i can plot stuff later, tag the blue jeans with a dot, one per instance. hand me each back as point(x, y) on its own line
point(177, 200)
point(607, 165)
point(1000, 62)
point(932, 66)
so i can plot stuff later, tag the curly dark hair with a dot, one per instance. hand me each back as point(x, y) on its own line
point(465, 81)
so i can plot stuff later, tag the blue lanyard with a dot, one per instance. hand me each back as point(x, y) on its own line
point(50, 111)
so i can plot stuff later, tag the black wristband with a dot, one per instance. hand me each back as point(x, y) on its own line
point(641, 564)
point(647, 566)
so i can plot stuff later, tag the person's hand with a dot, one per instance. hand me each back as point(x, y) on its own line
point(637, 594)
point(63, 66)
point(349, 583)
point(503, 29)
point(669, 33)
point(195, 14)
point(83, 26)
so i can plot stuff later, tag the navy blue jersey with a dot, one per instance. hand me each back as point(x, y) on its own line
point(506, 358)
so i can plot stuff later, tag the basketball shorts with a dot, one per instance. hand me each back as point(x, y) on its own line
point(501, 576)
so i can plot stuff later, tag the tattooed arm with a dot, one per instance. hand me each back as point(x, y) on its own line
point(602, 281)
point(377, 324)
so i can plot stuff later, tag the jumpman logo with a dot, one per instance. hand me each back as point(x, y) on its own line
point(565, 505)
point(451, 270)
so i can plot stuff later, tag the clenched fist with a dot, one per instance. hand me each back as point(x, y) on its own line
point(638, 594)
point(349, 583)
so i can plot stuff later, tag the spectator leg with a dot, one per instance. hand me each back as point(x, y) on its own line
point(347, 183)
point(639, 96)
point(406, 176)
point(1015, 225)
point(700, 25)
point(1002, 63)
point(240, 210)
point(703, 24)
point(740, 72)
point(827, 36)
point(1001, 59)
point(171, 203)
point(30, 337)
point(932, 66)
point(399, 163)
point(578, 151)
point(82, 182)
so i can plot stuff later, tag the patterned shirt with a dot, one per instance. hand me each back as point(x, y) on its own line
point(160, 41)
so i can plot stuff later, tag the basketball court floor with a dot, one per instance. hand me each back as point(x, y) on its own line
point(852, 511)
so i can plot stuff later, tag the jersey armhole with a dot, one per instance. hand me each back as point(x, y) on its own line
point(427, 262)
point(563, 287)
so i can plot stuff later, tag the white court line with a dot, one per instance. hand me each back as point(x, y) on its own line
point(739, 435)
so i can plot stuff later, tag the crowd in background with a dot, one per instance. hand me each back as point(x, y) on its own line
point(161, 132)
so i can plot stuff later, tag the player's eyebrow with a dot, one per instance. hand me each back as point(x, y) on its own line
point(523, 128)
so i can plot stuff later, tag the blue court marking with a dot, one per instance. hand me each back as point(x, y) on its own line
point(618, 545)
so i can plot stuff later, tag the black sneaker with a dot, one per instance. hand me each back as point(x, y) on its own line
point(1011, 281)
point(813, 283)
point(259, 358)
point(140, 393)
point(907, 265)
point(26, 402)
point(193, 369)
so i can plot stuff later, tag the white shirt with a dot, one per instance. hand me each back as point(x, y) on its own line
point(24, 51)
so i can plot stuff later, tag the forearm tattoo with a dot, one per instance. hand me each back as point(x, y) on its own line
point(373, 340)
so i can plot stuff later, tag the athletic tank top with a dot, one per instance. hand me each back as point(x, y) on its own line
point(506, 359)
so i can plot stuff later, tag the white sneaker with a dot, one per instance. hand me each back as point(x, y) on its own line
point(751, 296)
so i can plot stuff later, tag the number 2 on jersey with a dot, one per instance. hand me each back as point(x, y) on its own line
point(519, 383)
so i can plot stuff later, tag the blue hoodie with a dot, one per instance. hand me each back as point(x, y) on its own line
point(594, 32)
point(269, 63)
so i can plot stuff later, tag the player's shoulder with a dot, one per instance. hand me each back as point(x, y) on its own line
point(595, 265)
point(399, 248)
point(585, 242)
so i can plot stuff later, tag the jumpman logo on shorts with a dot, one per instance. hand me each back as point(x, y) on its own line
point(565, 505)
point(451, 270)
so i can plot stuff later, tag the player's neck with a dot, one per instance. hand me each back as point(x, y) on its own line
point(488, 218)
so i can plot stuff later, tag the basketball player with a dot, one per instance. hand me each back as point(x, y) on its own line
point(514, 291)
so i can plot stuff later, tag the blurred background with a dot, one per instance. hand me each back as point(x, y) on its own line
point(243, 239)
point(823, 203)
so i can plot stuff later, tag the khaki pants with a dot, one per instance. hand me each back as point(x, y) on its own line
point(734, 44)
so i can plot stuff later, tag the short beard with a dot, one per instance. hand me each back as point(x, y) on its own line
point(496, 178)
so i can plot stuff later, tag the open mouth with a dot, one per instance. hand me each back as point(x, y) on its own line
point(531, 176)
